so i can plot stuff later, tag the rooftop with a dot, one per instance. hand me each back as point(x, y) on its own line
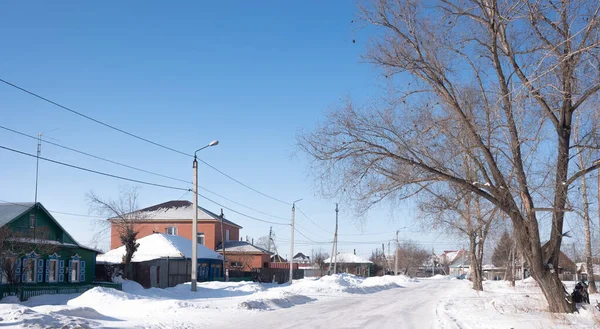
point(241, 247)
point(180, 210)
point(159, 245)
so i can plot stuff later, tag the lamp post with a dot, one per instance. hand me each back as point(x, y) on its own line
point(292, 242)
point(195, 221)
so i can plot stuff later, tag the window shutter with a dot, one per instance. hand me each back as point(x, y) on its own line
point(82, 271)
point(40, 270)
point(61, 271)
point(69, 271)
point(24, 272)
point(48, 270)
point(17, 268)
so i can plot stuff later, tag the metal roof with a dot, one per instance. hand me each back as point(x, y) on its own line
point(12, 210)
point(179, 210)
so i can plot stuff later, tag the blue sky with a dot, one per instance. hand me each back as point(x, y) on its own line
point(250, 74)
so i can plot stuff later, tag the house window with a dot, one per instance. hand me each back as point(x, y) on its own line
point(200, 238)
point(172, 230)
point(236, 264)
point(31, 220)
point(53, 270)
point(75, 271)
point(31, 270)
point(226, 235)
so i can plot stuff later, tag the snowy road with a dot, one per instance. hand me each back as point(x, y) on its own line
point(415, 306)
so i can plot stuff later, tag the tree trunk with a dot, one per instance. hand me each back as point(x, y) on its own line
point(475, 264)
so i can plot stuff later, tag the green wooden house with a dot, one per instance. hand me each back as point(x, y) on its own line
point(37, 251)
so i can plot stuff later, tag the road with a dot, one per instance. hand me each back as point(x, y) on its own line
point(416, 306)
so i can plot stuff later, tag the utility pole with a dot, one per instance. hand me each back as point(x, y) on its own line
point(37, 164)
point(335, 239)
point(223, 247)
point(292, 242)
point(396, 257)
point(269, 243)
point(194, 277)
point(432, 262)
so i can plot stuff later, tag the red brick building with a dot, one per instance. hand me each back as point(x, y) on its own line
point(175, 218)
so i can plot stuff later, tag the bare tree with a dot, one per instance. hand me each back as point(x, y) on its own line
point(486, 79)
point(318, 260)
point(263, 242)
point(15, 244)
point(411, 256)
point(124, 216)
point(466, 215)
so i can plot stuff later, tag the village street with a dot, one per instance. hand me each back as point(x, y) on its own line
point(413, 306)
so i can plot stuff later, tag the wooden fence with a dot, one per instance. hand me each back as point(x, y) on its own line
point(26, 291)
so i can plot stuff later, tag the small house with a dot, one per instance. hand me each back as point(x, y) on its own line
point(163, 260)
point(244, 256)
point(37, 253)
point(350, 263)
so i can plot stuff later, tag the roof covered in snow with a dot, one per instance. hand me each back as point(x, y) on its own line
point(10, 211)
point(348, 258)
point(159, 245)
point(179, 210)
point(242, 247)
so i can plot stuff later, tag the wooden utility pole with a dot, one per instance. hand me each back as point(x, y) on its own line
point(396, 257)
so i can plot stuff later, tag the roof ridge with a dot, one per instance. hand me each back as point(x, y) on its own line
point(164, 236)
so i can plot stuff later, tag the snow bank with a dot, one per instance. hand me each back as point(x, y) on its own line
point(440, 277)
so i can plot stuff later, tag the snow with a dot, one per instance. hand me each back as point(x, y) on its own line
point(241, 246)
point(337, 301)
point(159, 245)
point(348, 258)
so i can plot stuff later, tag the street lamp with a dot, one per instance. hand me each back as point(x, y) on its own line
point(195, 221)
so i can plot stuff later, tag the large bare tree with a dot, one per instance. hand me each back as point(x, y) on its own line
point(496, 81)
point(123, 215)
point(411, 256)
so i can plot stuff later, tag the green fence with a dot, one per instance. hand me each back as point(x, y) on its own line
point(24, 292)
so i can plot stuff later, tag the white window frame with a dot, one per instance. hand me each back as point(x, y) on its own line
point(201, 238)
point(72, 270)
point(31, 266)
point(32, 220)
point(226, 235)
point(173, 228)
point(55, 272)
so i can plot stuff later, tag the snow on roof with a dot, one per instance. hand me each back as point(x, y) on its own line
point(11, 210)
point(242, 247)
point(159, 245)
point(348, 258)
point(181, 210)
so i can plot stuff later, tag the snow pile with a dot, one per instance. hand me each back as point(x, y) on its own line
point(310, 289)
point(440, 277)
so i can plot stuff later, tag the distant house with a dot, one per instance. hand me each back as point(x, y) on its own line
point(164, 260)
point(244, 256)
point(278, 259)
point(350, 263)
point(455, 262)
point(36, 249)
point(175, 218)
point(300, 258)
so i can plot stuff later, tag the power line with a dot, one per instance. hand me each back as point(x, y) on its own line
point(92, 119)
point(240, 213)
point(139, 169)
point(95, 171)
point(317, 225)
point(246, 186)
point(135, 136)
point(140, 182)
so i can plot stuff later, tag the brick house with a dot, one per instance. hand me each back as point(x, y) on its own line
point(244, 256)
point(175, 218)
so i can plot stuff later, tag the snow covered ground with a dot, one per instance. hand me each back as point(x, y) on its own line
point(341, 301)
